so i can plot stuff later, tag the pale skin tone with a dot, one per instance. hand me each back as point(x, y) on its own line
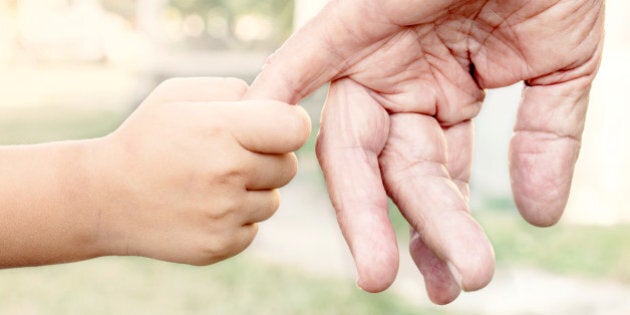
point(185, 179)
point(408, 77)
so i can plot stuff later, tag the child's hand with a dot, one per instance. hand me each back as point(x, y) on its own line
point(191, 172)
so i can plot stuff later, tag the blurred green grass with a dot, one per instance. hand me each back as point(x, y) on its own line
point(22, 125)
point(588, 251)
point(601, 252)
point(238, 286)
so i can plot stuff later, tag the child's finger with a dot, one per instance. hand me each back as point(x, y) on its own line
point(271, 171)
point(260, 205)
point(269, 126)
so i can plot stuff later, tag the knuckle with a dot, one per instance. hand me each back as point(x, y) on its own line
point(213, 129)
point(227, 174)
point(233, 175)
point(230, 205)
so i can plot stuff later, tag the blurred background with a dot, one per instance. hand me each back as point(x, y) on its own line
point(72, 69)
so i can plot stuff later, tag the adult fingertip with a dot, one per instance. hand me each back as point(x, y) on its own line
point(475, 273)
point(472, 264)
point(439, 282)
point(445, 291)
point(540, 202)
point(539, 215)
point(378, 273)
point(539, 207)
point(373, 283)
point(468, 254)
point(444, 298)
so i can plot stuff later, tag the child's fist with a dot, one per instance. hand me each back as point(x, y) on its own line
point(191, 172)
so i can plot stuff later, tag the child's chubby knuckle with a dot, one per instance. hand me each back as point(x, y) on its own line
point(212, 128)
point(227, 169)
point(231, 175)
point(229, 206)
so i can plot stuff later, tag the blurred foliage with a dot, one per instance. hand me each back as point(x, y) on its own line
point(124, 8)
point(239, 286)
point(54, 123)
point(590, 251)
point(304, 294)
point(265, 7)
point(279, 11)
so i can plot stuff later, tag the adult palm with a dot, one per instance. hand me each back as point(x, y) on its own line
point(407, 78)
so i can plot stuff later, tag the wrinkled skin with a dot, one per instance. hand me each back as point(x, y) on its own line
point(408, 76)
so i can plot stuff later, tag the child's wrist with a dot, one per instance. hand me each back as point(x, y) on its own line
point(94, 160)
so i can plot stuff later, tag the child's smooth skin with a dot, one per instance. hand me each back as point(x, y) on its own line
point(184, 179)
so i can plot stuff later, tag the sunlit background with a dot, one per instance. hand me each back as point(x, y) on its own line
point(73, 69)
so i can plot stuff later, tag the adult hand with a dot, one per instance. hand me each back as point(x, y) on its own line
point(407, 78)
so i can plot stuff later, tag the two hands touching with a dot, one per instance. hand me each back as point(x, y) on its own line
point(190, 173)
point(407, 78)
